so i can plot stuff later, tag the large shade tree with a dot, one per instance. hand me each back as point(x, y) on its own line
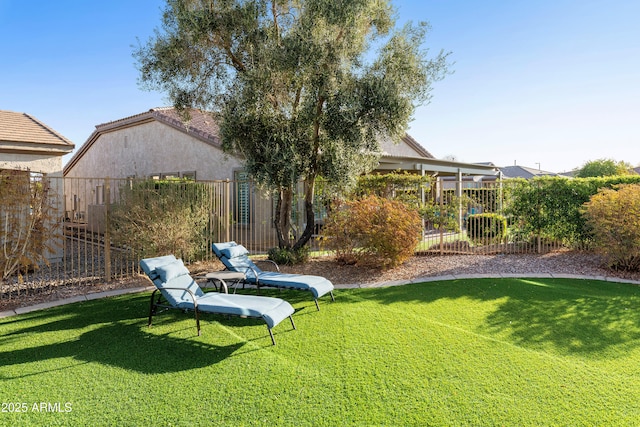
point(302, 89)
point(604, 167)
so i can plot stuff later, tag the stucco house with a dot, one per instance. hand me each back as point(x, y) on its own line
point(29, 147)
point(155, 143)
point(27, 144)
point(158, 144)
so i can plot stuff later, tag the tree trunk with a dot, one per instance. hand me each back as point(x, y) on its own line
point(309, 194)
point(282, 220)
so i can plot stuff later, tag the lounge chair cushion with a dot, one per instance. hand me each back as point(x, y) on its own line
point(234, 251)
point(272, 310)
point(218, 247)
point(235, 258)
point(149, 265)
point(176, 275)
point(316, 284)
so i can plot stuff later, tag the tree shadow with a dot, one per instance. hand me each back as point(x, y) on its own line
point(126, 345)
point(579, 317)
point(121, 340)
point(82, 314)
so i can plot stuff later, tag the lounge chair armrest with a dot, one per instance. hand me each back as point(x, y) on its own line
point(247, 269)
point(270, 262)
point(193, 296)
point(201, 277)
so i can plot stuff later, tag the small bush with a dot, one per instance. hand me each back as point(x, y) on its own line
point(289, 256)
point(614, 219)
point(373, 231)
point(161, 217)
point(486, 228)
point(27, 222)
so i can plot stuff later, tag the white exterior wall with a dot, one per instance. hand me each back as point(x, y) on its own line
point(153, 148)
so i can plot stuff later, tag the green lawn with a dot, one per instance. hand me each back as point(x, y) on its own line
point(512, 352)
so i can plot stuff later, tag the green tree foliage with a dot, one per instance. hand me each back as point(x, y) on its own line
point(405, 187)
point(373, 231)
point(162, 217)
point(302, 90)
point(614, 218)
point(603, 167)
point(27, 222)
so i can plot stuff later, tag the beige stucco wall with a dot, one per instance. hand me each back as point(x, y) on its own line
point(41, 163)
point(51, 166)
point(401, 149)
point(153, 148)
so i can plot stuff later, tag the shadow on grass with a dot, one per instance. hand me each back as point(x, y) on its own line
point(585, 317)
point(122, 340)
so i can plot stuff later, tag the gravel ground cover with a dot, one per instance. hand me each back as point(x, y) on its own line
point(559, 263)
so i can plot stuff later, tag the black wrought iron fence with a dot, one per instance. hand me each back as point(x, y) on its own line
point(105, 225)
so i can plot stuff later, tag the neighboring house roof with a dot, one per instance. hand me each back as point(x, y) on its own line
point(408, 139)
point(200, 125)
point(524, 172)
point(22, 133)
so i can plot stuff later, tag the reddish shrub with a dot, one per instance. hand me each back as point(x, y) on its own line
point(614, 219)
point(373, 231)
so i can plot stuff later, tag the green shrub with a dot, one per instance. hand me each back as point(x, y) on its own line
point(405, 187)
point(289, 256)
point(486, 228)
point(551, 207)
point(614, 219)
point(373, 231)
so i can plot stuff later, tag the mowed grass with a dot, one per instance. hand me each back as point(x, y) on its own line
point(513, 352)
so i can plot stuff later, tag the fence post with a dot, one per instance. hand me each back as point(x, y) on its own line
point(441, 217)
point(226, 209)
point(107, 232)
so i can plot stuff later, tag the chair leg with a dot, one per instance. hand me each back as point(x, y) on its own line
point(317, 305)
point(152, 307)
point(273, 340)
point(197, 321)
point(292, 324)
point(332, 297)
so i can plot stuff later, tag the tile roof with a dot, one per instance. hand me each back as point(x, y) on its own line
point(524, 172)
point(200, 124)
point(22, 128)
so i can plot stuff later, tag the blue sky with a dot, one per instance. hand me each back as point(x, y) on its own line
point(548, 83)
